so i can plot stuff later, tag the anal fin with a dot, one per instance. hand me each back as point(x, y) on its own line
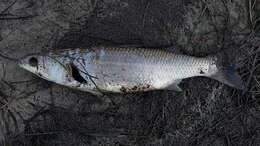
point(175, 86)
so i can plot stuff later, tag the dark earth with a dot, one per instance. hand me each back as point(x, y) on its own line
point(34, 111)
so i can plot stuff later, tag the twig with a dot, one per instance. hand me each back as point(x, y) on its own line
point(251, 12)
point(38, 113)
point(59, 63)
point(17, 18)
point(252, 70)
point(22, 82)
point(6, 57)
point(89, 76)
point(13, 18)
point(6, 9)
point(8, 84)
point(3, 95)
point(8, 103)
point(145, 12)
point(44, 133)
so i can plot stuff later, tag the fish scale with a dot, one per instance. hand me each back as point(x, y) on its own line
point(156, 68)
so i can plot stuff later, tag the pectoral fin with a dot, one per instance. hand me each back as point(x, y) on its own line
point(175, 86)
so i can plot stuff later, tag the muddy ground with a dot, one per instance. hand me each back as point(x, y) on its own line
point(37, 112)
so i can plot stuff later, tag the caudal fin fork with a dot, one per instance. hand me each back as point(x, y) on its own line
point(229, 76)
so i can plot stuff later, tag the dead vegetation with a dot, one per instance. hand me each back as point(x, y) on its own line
point(36, 112)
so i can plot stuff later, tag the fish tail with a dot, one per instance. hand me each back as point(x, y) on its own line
point(229, 76)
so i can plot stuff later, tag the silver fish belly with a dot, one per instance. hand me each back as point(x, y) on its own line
point(121, 69)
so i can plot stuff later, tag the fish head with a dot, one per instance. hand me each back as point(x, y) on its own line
point(51, 68)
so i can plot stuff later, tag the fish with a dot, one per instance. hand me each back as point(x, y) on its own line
point(101, 69)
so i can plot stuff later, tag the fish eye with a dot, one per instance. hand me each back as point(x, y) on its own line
point(33, 61)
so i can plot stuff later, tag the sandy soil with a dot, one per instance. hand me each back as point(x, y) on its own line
point(37, 112)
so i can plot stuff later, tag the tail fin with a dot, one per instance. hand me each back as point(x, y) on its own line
point(230, 77)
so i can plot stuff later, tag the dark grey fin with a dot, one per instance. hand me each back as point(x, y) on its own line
point(175, 86)
point(229, 76)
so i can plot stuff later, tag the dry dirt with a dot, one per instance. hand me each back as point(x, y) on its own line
point(37, 112)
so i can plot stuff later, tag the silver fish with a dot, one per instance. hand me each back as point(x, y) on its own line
point(122, 69)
